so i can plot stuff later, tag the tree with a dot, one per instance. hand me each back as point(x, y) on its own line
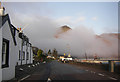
point(55, 53)
point(40, 55)
point(49, 52)
point(35, 50)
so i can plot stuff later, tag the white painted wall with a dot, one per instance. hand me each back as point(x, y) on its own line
point(66, 59)
point(9, 72)
point(30, 51)
point(19, 42)
point(31, 56)
point(24, 61)
point(0, 54)
point(30, 60)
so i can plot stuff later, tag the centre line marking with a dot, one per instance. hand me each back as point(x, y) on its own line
point(112, 78)
point(101, 74)
point(24, 78)
point(48, 80)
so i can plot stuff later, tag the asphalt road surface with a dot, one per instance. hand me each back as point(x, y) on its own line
point(61, 71)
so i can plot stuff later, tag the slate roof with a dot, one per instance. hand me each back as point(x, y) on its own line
point(5, 18)
point(13, 29)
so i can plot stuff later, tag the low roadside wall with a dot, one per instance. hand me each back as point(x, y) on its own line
point(97, 66)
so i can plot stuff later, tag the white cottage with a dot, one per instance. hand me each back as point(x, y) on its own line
point(15, 48)
point(25, 54)
point(7, 48)
point(0, 49)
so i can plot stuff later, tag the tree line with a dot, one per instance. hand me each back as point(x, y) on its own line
point(40, 55)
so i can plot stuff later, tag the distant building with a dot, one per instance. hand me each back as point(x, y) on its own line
point(25, 54)
point(63, 57)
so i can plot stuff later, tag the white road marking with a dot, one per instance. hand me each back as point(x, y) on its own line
point(101, 74)
point(112, 78)
point(48, 80)
point(33, 65)
point(24, 78)
point(21, 69)
point(29, 66)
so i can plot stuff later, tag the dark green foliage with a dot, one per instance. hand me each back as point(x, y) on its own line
point(35, 50)
point(49, 52)
point(40, 55)
point(54, 53)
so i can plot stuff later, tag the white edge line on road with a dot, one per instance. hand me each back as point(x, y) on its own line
point(101, 74)
point(48, 80)
point(112, 78)
point(24, 78)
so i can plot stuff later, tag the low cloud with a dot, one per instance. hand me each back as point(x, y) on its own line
point(82, 18)
point(72, 21)
point(41, 31)
point(94, 18)
point(81, 40)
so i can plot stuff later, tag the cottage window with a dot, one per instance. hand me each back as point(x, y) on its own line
point(19, 55)
point(5, 53)
point(27, 55)
point(23, 43)
point(23, 55)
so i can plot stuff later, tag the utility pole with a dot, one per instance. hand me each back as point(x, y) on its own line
point(68, 47)
point(86, 56)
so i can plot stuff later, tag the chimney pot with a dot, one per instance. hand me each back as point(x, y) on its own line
point(2, 10)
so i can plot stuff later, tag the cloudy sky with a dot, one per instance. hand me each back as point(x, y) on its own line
point(41, 21)
point(100, 16)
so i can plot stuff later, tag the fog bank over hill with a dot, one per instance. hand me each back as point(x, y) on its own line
point(83, 40)
point(46, 33)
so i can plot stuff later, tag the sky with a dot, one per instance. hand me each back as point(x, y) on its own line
point(100, 16)
point(42, 21)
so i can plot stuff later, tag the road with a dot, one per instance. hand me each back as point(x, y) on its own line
point(61, 71)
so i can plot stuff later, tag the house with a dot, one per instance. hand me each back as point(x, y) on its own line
point(51, 57)
point(25, 54)
point(0, 49)
point(15, 47)
point(7, 47)
point(67, 58)
point(61, 58)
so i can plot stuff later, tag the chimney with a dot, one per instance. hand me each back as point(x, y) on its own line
point(20, 29)
point(0, 5)
point(2, 10)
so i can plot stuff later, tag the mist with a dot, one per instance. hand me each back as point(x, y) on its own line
point(78, 41)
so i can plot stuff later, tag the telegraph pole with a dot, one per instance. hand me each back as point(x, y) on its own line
point(86, 56)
